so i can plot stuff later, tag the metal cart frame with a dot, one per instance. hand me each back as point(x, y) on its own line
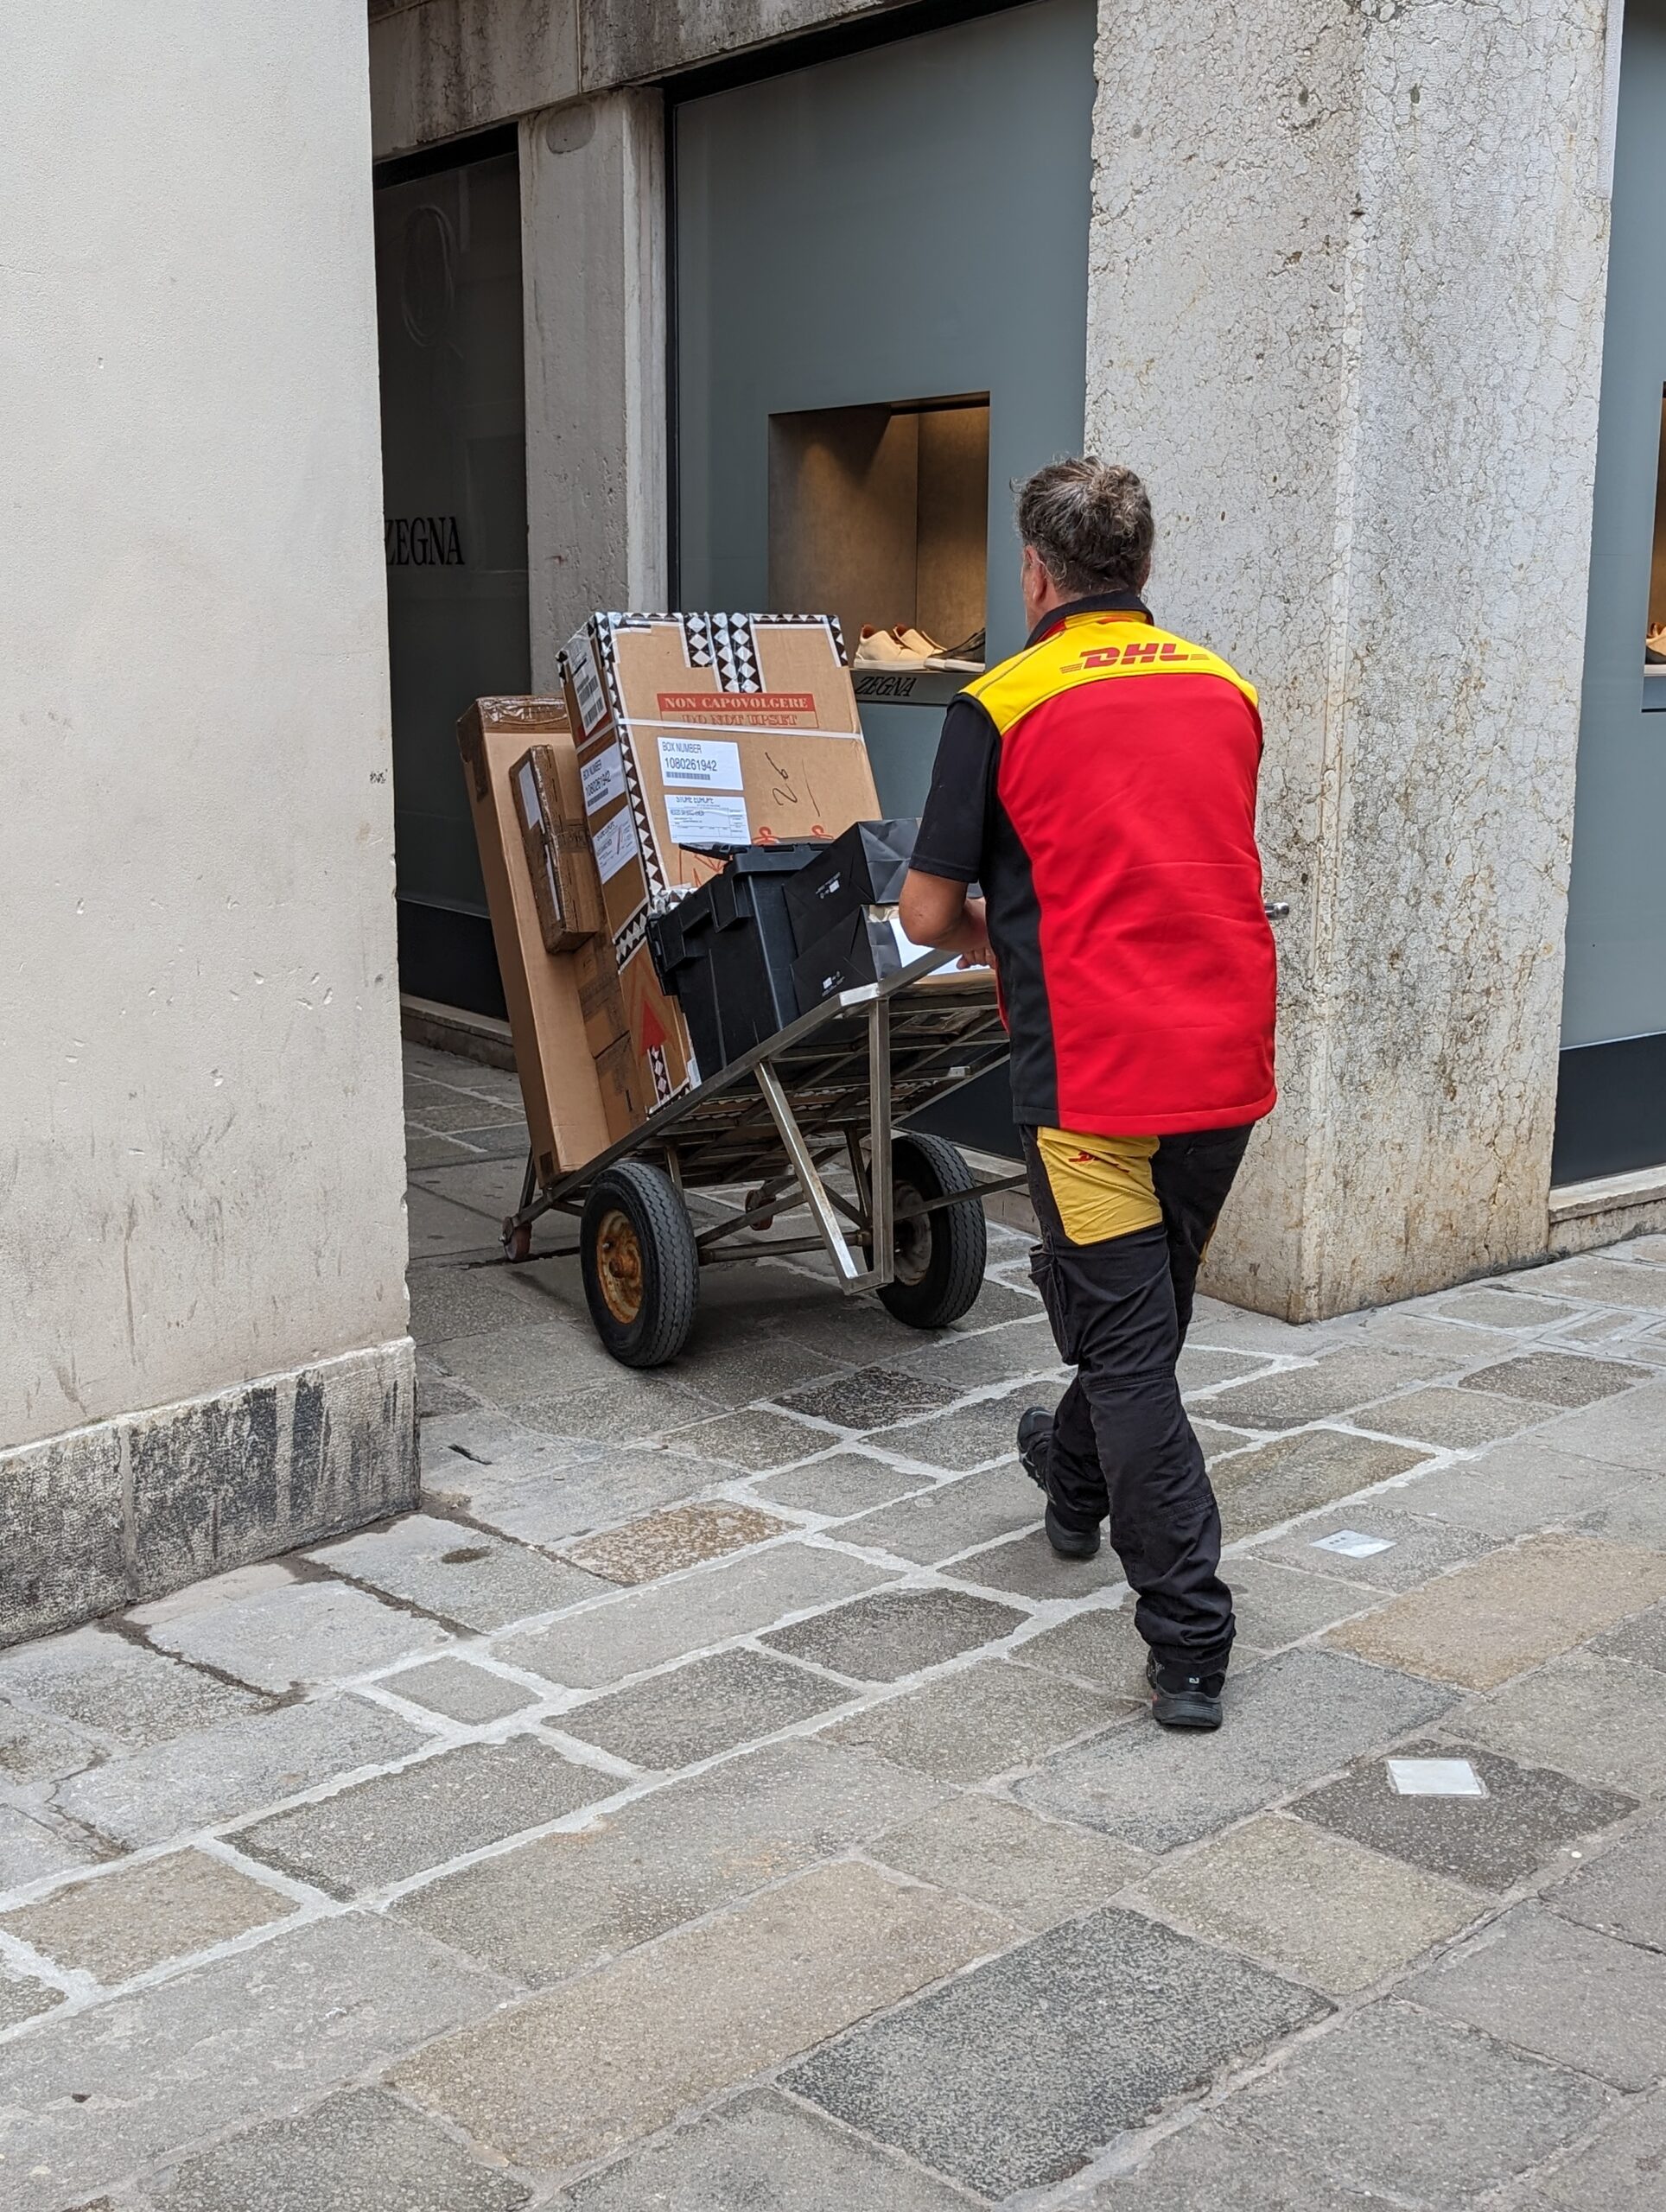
point(829, 1086)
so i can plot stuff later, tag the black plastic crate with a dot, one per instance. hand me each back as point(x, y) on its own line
point(727, 952)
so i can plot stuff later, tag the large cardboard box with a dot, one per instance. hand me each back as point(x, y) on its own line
point(692, 731)
point(559, 1085)
point(699, 730)
point(550, 806)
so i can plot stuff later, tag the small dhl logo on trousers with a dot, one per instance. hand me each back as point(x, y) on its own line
point(1131, 656)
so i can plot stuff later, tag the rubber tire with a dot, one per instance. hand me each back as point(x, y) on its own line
point(670, 1263)
point(960, 1240)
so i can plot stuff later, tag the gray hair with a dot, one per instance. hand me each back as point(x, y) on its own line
point(1089, 523)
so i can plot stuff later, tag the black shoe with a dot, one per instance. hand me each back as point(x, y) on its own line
point(1034, 1438)
point(1179, 1699)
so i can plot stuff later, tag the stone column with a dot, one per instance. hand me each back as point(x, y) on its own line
point(1345, 314)
point(592, 193)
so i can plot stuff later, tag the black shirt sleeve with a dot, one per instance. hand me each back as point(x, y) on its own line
point(955, 826)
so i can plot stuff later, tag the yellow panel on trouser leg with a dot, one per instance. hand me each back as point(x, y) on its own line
point(1101, 1185)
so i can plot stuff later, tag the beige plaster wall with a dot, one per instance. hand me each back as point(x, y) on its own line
point(200, 1150)
point(1345, 313)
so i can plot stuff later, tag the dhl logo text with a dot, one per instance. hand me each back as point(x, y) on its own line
point(1141, 652)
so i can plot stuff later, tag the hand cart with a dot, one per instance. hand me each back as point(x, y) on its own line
point(825, 1089)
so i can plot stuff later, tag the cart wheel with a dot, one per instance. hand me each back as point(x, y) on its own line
point(939, 1257)
point(641, 1269)
point(517, 1238)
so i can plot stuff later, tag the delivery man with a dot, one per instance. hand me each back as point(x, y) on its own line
point(1100, 788)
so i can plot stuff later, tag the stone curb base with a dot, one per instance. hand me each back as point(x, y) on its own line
point(132, 1508)
point(1584, 1216)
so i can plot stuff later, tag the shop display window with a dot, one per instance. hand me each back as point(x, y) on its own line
point(880, 514)
point(1654, 652)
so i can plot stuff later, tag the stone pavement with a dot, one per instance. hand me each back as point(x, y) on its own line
point(719, 1799)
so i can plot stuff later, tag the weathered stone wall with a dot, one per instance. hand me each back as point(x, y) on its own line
point(1348, 287)
point(201, 1171)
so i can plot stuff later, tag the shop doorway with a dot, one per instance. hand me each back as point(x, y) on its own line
point(454, 459)
point(1611, 1106)
point(881, 320)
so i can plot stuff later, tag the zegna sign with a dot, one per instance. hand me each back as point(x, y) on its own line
point(422, 542)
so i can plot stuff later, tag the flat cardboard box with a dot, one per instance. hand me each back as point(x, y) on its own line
point(656, 1031)
point(550, 806)
point(708, 730)
point(622, 1100)
point(601, 1003)
point(562, 1095)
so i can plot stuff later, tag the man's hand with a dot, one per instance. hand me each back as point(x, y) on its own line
point(934, 910)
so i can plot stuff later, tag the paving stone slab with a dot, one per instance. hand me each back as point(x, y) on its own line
point(1583, 1715)
point(676, 1537)
point(447, 1302)
point(735, 1360)
point(226, 2044)
point(1624, 1889)
point(1634, 1515)
point(1608, 1280)
point(1337, 1382)
point(459, 1572)
point(1618, 2171)
point(846, 1483)
point(1014, 1352)
point(759, 2152)
point(591, 1649)
point(1641, 1640)
point(1459, 1419)
point(359, 2151)
point(296, 1634)
point(1298, 1474)
point(1568, 1993)
point(1502, 1308)
point(125, 1922)
point(1278, 1605)
point(1205, 1367)
point(33, 1747)
point(1344, 2101)
point(625, 1408)
point(1513, 1490)
point(1418, 1547)
point(1557, 1378)
point(1029, 1565)
point(1289, 1719)
point(118, 1690)
point(21, 1997)
point(1509, 1610)
point(1034, 1872)
point(567, 1903)
point(936, 1524)
point(755, 1439)
point(1015, 2074)
point(535, 1360)
point(982, 1720)
point(198, 1781)
point(1622, 1432)
point(971, 1436)
point(1205, 2168)
point(869, 1397)
point(471, 1694)
point(895, 1632)
point(32, 1850)
point(1323, 1908)
point(1099, 1646)
point(580, 2072)
point(701, 1708)
point(397, 1825)
point(487, 1443)
point(570, 1497)
point(1530, 1817)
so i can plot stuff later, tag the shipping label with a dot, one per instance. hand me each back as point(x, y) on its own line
point(603, 780)
point(615, 845)
point(707, 818)
point(587, 689)
point(712, 762)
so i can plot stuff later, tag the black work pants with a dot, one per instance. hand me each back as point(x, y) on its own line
point(1121, 1445)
